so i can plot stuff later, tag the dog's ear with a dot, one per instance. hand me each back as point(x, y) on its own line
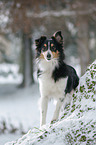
point(58, 36)
point(39, 41)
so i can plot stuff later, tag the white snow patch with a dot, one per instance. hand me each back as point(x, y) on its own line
point(9, 74)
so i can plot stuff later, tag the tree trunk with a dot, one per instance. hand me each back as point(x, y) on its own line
point(27, 61)
point(83, 43)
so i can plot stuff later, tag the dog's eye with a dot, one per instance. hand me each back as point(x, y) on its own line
point(44, 48)
point(45, 45)
point(53, 48)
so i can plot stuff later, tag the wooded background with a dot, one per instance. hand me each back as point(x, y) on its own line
point(21, 22)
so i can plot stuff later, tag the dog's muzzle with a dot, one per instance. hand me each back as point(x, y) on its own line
point(48, 56)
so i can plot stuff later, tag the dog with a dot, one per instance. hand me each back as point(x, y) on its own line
point(57, 80)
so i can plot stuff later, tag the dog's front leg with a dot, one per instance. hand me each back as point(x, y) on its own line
point(43, 110)
point(57, 110)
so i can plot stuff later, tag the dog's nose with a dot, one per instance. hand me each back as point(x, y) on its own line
point(48, 56)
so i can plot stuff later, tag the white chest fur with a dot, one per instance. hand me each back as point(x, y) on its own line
point(48, 87)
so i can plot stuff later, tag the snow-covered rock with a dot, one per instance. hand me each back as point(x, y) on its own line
point(78, 124)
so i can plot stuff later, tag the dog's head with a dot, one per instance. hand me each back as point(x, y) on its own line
point(50, 49)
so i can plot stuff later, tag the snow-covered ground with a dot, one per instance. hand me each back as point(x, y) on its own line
point(19, 109)
point(8, 137)
point(78, 124)
point(16, 108)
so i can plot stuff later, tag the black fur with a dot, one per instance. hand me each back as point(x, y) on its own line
point(64, 71)
point(39, 73)
point(59, 47)
point(39, 43)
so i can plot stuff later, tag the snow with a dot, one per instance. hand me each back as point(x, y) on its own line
point(9, 74)
point(51, 13)
point(8, 137)
point(17, 106)
point(60, 13)
point(78, 123)
point(19, 109)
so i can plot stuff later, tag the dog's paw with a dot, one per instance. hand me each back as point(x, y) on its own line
point(43, 127)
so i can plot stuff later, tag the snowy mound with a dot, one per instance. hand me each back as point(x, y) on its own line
point(78, 125)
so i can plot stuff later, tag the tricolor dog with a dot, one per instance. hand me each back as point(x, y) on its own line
point(57, 80)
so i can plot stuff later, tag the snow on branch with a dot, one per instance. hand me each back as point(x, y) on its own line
point(61, 13)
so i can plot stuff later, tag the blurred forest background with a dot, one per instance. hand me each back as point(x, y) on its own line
point(21, 22)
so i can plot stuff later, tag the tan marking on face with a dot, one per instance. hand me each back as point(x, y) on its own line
point(55, 54)
point(52, 45)
point(42, 56)
point(45, 45)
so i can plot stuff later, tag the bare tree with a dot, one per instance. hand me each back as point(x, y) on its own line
point(83, 44)
point(82, 9)
point(22, 23)
point(25, 16)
